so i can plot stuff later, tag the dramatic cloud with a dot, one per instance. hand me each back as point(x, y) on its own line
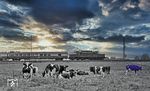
point(59, 25)
point(59, 11)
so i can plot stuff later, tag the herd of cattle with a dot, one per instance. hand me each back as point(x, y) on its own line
point(59, 71)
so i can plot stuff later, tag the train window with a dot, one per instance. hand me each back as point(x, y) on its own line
point(20, 54)
point(44, 54)
point(59, 54)
point(38, 54)
point(41, 54)
point(35, 54)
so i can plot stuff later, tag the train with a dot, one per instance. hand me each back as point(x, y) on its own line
point(77, 55)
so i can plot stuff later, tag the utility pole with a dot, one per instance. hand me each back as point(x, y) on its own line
point(31, 43)
point(31, 49)
point(124, 47)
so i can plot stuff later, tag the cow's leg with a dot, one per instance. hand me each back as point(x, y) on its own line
point(35, 71)
point(95, 70)
point(31, 73)
point(23, 75)
point(126, 72)
point(48, 73)
point(135, 72)
point(103, 74)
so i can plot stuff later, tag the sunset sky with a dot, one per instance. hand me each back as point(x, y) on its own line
point(69, 25)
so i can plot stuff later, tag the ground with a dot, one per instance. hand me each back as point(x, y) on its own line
point(116, 81)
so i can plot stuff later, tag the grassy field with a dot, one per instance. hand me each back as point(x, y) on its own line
point(116, 81)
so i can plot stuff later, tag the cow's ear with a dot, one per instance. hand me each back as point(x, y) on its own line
point(24, 63)
point(30, 64)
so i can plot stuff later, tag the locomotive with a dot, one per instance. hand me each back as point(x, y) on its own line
point(77, 55)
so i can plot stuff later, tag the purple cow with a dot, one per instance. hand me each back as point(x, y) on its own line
point(134, 68)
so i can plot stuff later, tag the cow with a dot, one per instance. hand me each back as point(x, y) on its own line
point(100, 70)
point(54, 69)
point(95, 69)
point(28, 70)
point(79, 72)
point(35, 70)
point(105, 69)
point(134, 68)
point(60, 68)
point(48, 70)
point(67, 74)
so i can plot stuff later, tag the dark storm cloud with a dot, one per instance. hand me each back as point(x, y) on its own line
point(113, 38)
point(61, 11)
point(58, 11)
point(119, 38)
point(18, 2)
point(67, 12)
point(8, 24)
point(116, 18)
point(67, 37)
point(15, 34)
point(145, 44)
point(122, 13)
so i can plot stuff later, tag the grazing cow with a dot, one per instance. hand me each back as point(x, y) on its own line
point(67, 74)
point(60, 68)
point(134, 68)
point(48, 70)
point(28, 70)
point(100, 70)
point(54, 69)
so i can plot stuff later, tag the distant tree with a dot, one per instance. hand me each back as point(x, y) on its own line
point(137, 58)
point(145, 57)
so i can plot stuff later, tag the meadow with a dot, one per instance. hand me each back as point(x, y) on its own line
point(115, 81)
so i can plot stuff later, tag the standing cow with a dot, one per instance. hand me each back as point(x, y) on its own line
point(134, 68)
point(100, 70)
point(95, 69)
point(28, 70)
point(48, 70)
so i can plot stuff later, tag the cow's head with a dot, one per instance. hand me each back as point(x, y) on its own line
point(27, 65)
point(65, 67)
point(72, 73)
point(140, 68)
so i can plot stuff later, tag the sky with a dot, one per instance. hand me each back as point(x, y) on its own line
point(70, 25)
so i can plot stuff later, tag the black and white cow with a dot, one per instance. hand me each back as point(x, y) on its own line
point(28, 70)
point(95, 69)
point(100, 70)
point(54, 69)
point(80, 72)
point(60, 68)
point(67, 74)
point(48, 70)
